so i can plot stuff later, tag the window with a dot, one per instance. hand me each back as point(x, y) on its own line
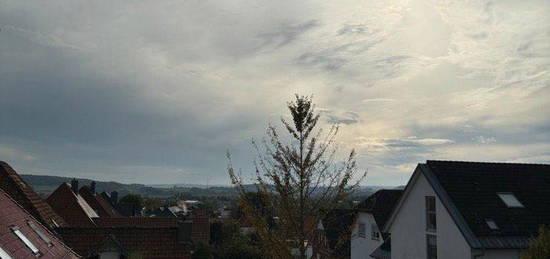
point(25, 240)
point(40, 233)
point(491, 224)
point(55, 223)
point(431, 223)
point(431, 241)
point(362, 230)
point(510, 200)
point(375, 234)
point(4, 254)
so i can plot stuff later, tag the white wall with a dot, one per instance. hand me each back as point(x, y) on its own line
point(361, 248)
point(408, 231)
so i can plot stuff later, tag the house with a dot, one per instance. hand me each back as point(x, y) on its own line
point(23, 194)
point(371, 216)
point(71, 206)
point(23, 236)
point(102, 207)
point(138, 237)
point(112, 198)
point(161, 212)
point(470, 210)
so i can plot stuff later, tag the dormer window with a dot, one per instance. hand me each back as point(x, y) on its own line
point(510, 200)
point(491, 224)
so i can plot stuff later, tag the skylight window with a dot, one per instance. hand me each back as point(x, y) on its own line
point(25, 240)
point(510, 200)
point(4, 254)
point(41, 234)
point(491, 224)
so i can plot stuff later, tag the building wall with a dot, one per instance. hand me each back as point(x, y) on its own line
point(408, 231)
point(361, 248)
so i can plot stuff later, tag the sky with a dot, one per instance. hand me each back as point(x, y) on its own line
point(157, 92)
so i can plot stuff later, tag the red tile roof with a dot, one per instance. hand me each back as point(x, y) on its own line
point(147, 242)
point(72, 207)
point(101, 206)
point(148, 237)
point(14, 215)
point(20, 191)
point(137, 222)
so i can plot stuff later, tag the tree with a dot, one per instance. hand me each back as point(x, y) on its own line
point(130, 204)
point(229, 243)
point(299, 177)
point(540, 247)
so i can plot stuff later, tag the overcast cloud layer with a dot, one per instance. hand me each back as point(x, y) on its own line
point(157, 91)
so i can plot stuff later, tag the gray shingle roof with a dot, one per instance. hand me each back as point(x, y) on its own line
point(472, 187)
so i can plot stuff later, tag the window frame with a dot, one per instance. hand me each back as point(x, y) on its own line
point(362, 230)
point(34, 249)
point(429, 213)
point(431, 250)
point(492, 224)
point(40, 233)
point(4, 254)
point(510, 198)
point(374, 232)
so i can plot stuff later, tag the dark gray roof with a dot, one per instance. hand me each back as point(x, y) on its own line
point(381, 205)
point(469, 192)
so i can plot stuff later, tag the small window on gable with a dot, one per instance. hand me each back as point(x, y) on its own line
point(510, 200)
point(25, 240)
point(39, 232)
point(4, 254)
point(431, 241)
point(491, 224)
point(375, 234)
point(362, 232)
point(431, 220)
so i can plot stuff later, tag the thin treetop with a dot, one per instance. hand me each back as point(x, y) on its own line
point(299, 179)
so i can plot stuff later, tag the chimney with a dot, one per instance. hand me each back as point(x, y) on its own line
point(74, 185)
point(114, 197)
point(200, 228)
point(92, 187)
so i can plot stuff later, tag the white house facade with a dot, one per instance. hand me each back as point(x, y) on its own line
point(467, 210)
point(409, 231)
point(371, 215)
point(365, 236)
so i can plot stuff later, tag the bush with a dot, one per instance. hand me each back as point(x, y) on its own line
point(540, 247)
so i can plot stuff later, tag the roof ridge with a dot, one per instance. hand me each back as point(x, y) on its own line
point(483, 162)
point(30, 197)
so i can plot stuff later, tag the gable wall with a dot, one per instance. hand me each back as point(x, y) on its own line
point(361, 248)
point(408, 230)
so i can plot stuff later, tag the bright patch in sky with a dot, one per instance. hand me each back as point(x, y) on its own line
point(157, 91)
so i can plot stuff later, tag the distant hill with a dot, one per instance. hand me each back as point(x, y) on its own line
point(46, 184)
